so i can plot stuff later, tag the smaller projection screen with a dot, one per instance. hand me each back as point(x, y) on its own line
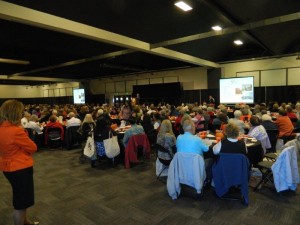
point(78, 96)
point(237, 90)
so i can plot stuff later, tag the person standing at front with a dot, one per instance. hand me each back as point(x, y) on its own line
point(16, 161)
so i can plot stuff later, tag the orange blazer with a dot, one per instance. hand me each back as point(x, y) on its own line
point(16, 148)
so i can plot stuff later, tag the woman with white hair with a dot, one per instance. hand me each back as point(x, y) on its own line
point(239, 123)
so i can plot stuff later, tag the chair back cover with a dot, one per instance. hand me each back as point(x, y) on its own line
point(185, 168)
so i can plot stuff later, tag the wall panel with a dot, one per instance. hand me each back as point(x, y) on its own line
point(120, 86)
point(294, 76)
point(273, 77)
point(110, 87)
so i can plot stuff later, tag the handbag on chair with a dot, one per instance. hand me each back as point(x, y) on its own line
point(111, 145)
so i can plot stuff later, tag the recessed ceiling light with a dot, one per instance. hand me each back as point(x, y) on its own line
point(182, 5)
point(238, 42)
point(216, 28)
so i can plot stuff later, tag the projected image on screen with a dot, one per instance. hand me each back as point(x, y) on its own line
point(78, 96)
point(237, 90)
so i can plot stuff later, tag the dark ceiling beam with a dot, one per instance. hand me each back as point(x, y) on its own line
point(226, 16)
point(16, 13)
point(230, 30)
point(74, 62)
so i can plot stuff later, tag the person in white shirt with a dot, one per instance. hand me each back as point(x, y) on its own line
point(25, 119)
point(33, 124)
point(73, 121)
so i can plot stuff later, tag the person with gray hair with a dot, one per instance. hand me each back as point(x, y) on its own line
point(188, 142)
point(32, 124)
point(236, 120)
point(268, 123)
point(73, 121)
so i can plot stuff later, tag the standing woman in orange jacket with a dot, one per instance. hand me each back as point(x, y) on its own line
point(16, 161)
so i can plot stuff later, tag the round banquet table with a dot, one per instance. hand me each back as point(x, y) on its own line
point(255, 151)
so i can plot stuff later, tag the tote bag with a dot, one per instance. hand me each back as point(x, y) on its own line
point(111, 145)
point(89, 149)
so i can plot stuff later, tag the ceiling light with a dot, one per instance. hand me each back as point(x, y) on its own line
point(14, 61)
point(182, 5)
point(216, 28)
point(238, 42)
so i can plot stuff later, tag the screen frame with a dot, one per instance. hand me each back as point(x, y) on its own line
point(235, 78)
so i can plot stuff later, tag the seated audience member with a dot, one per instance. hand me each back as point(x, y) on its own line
point(290, 113)
point(134, 130)
point(177, 124)
point(268, 123)
point(45, 115)
point(188, 142)
point(297, 108)
point(32, 124)
point(259, 132)
point(149, 128)
point(25, 119)
point(53, 123)
point(284, 124)
point(174, 111)
point(147, 124)
point(275, 108)
point(245, 115)
point(199, 119)
point(231, 144)
point(73, 121)
point(125, 113)
point(166, 138)
point(236, 120)
point(224, 120)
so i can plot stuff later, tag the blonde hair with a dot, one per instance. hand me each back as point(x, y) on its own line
point(11, 111)
point(165, 127)
point(88, 119)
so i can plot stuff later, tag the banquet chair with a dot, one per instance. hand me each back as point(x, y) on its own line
point(137, 144)
point(273, 136)
point(53, 138)
point(165, 163)
point(231, 172)
point(283, 173)
point(72, 138)
point(187, 169)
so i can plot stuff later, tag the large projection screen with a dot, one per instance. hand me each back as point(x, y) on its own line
point(237, 90)
point(78, 96)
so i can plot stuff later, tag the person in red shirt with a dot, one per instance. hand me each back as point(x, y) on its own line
point(16, 161)
point(284, 124)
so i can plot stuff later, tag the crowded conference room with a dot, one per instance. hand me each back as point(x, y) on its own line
point(149, 112)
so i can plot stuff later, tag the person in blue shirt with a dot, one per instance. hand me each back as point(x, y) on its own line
point(188, 142)
point(134, 130)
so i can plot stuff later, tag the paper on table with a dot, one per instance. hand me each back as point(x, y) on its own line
point(210, 136)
